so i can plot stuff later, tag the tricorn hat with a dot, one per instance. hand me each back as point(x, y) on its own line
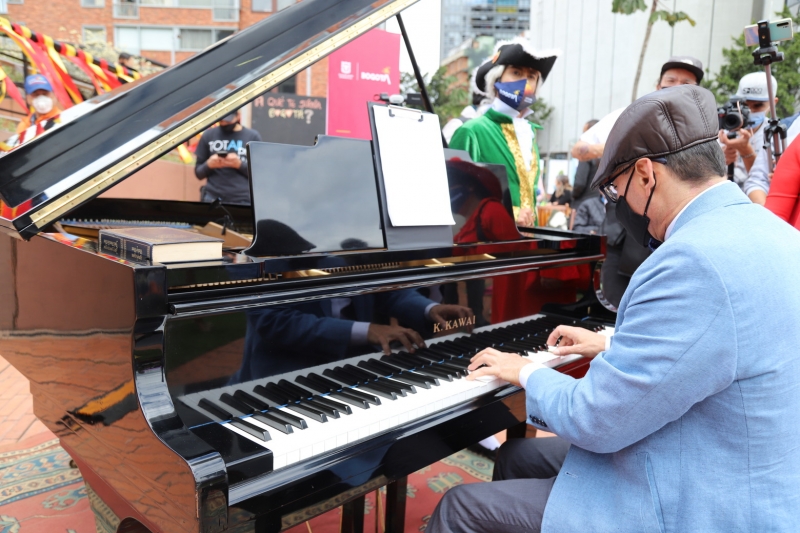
point(516, 52)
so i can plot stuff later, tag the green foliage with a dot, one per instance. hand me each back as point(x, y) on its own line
point(739, 61)
point(627, 7)
point(541, 111)
point(447, 95)
point(671, 18)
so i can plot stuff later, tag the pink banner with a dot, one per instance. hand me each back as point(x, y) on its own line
point(357, 72)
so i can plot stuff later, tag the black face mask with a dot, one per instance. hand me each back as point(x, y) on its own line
point(228, 128)
point(634, 223)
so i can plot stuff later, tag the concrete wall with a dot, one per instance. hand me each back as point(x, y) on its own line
point(596, 71)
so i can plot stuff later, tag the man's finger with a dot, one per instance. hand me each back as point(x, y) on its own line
point(416, 338)
point(485, 351)
point(483, 371)
point(553, 337)
point(405, 340)
point(385, 343)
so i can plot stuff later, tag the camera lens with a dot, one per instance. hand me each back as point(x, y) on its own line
point(732, 121)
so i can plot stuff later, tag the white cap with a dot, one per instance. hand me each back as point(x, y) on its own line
point(753, 86)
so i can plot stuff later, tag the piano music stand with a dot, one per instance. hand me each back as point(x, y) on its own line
point(403, 237)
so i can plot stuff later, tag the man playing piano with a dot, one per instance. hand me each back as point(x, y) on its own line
point(686, 420)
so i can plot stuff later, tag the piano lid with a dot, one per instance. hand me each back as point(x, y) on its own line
point(114, 135)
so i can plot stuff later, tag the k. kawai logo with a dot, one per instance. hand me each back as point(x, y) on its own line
point(454, 324)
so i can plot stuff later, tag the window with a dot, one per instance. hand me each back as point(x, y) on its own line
point(3, 7)
point(93, 3)
point(194, 39)
point(126, 9)
point(14, 1)
point(283, 4)
point(94, 34)
point(226, 10)
point(262, 6)
point(157, 39)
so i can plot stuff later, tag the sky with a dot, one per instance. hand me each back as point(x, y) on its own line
point(422, 21)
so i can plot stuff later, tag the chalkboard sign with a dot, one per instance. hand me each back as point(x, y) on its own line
point(289, 118)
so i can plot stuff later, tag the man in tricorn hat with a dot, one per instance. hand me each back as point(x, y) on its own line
point(504, 135)
point(685, 420)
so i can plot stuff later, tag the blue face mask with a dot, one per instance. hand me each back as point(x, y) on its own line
point(517, 94)
point(756, 119)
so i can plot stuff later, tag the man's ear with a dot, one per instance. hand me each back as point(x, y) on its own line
point(644, 172)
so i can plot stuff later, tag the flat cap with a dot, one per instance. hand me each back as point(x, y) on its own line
point(657, 124)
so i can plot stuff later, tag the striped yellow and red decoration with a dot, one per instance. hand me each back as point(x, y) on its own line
point(7, 87)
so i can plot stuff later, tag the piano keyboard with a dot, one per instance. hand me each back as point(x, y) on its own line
point(302, 414)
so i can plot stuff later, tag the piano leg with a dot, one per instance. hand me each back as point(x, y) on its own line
point(519, 431)
point(353, 516)
point(396, 506)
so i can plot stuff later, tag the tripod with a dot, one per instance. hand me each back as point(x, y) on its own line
point(774, 132)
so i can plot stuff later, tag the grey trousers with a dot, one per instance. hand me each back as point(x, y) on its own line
point(514, 501)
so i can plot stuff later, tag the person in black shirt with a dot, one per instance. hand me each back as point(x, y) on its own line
point(222, 159)
point(563, 193)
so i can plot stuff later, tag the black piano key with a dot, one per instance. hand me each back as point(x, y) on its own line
point(462, 362)
point(339, 375)
point(430, 356)
point(330, 412)
point(281, 392)
point(415, 379)
point(250, 400)
point(276, 398)
point(445, 350)
point(312, 384)
point(235, 403)
point(398, 362)
point(251, 429)
point(380, 391)
point(307, 410)
point(214, 409)
point(289, 418)
point(325, 381)
point(388, 387)
point(359, 372)
point(459, 371)
point(300, 391)
point(435, 373)
point(408, 387)
point(411, 358)
point(341, 407)
point(382, 369)
point(469, 342)
point(273, 422)
point(352, 399)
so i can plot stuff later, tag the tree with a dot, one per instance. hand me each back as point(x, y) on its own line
point(628, 7)
point(739, 61)
point(448, 97)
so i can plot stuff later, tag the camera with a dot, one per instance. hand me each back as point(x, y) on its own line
point(414, 99)
point(734, 115)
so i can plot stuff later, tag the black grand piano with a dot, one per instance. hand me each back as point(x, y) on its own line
point(251, 393)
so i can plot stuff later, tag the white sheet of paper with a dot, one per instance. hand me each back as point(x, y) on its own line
point(412, 161)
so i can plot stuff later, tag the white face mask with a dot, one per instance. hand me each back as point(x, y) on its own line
point(43, 104)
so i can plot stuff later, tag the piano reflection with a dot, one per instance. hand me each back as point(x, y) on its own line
point(253, 392)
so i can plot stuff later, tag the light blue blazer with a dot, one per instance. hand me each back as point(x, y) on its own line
point(690, 422)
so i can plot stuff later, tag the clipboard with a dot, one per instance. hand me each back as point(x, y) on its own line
point(412, 179)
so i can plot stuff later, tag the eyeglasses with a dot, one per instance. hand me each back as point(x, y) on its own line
point(610, 191)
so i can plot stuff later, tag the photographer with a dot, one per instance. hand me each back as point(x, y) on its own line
point(746, 150)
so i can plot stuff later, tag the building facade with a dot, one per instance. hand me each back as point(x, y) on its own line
point(464, 20)
point(600, 52)
point(167, 31)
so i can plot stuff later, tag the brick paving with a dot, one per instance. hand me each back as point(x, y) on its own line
point(17, 421)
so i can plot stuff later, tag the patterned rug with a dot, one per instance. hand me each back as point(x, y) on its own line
point(41, 493)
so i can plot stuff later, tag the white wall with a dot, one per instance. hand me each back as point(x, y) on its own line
point(596, 71)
